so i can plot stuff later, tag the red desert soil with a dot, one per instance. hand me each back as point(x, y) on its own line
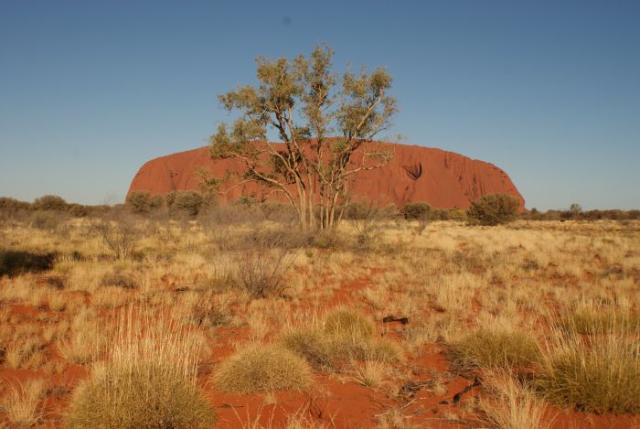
point(415, 173)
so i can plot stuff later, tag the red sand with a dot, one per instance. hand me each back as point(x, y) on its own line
point(446, 179)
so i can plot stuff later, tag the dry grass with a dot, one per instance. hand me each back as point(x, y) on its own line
point(484, 293)
point(512, 406)
point(23, 403)
point(259, 368)
point(341, 337)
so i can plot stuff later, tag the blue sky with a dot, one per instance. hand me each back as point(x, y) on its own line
point(547, 90)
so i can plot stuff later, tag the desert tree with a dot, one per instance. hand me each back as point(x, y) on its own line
point(325, 123)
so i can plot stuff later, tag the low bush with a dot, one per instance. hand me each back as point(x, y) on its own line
point(416, 211)
point(13, 262)
point(50, 202)
point(262, 369)
point(143, 202)
point(493, 349)
point(185, 202)
point(493, 210)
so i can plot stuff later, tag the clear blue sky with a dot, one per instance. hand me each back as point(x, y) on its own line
point(547, 90)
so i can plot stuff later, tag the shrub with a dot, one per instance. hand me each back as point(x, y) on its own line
point(143, 202)
point(187, 202)
point(491, 349)
point(416, 211)
point(50, 202)
point(600, 376)
point(78, 210)
point(119, 237)
point(13, 262)
point(11, 205)
point(262, 265)
point(46, 220)
point(262, 369)
point(148, 383)
point(493, 209)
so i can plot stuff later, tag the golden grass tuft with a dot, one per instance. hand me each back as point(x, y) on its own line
point(148, 382)
point(260, 368)
point(512, 405)
point(489, 349)
point(341, 337)
point(22, 404)
point(598, 374)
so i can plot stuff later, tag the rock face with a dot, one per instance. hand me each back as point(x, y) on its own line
point(415, 174)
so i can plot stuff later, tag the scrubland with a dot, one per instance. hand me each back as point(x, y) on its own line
point(135, 322)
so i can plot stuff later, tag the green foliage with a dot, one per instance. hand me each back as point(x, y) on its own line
point(262, 369)
point(417, 211)
point(493, 209)
point(186, 202)
point(143, 202)
point(50, 202)
point(302, 101)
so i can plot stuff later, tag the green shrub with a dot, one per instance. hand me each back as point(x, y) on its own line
point(187, 202)
point(262, 369)
point(143, 202)
point(416, 211)
point(493, 209)
point(50, 202)
point(491, 349)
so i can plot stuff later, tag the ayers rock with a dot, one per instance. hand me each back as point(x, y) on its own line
point(414, 174)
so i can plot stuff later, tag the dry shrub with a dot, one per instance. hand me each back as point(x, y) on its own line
point(488, 348)
point(118, 236)
point(262, 264)
point(341, 337)
point(597, 373)
point(148, 382)
point(260, 368)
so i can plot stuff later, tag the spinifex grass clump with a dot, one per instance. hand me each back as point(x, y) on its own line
point(597, 373)
point(589, 319)
point(148, 382)
point(342, 336)
point(262, 369)
point(488, 349)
